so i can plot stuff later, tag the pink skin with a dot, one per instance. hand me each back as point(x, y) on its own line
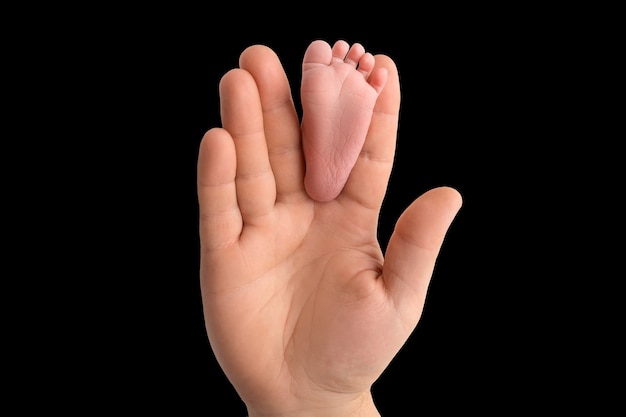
point(340, 86)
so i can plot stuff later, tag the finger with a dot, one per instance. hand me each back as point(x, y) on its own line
point(413, 249)
point(280, 120)
point(368, 180)
point(242, 116)
point(220, 219)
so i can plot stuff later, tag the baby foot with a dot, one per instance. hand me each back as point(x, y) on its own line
point(339, 90)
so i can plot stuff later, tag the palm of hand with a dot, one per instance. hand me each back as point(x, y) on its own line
point(311, 307)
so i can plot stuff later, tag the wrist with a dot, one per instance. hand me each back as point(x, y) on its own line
point(362, 406)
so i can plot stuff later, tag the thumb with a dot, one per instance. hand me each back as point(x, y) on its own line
point(413, 249)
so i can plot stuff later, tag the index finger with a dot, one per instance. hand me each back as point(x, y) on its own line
point(368, 180)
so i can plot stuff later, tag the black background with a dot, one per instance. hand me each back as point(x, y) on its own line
point(132, 94)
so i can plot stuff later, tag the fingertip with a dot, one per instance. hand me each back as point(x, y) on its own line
point(216, 158)
point(385, 61)
point(454, 197)
point(232, 81)
point(256, 53)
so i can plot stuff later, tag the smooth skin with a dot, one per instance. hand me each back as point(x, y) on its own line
point(302, 310)
point(339, 89)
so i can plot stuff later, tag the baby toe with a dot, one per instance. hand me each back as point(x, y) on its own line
point(340, 50)
point(355, 54)
point(366, 64)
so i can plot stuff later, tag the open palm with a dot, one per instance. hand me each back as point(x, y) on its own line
point(301, 306)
